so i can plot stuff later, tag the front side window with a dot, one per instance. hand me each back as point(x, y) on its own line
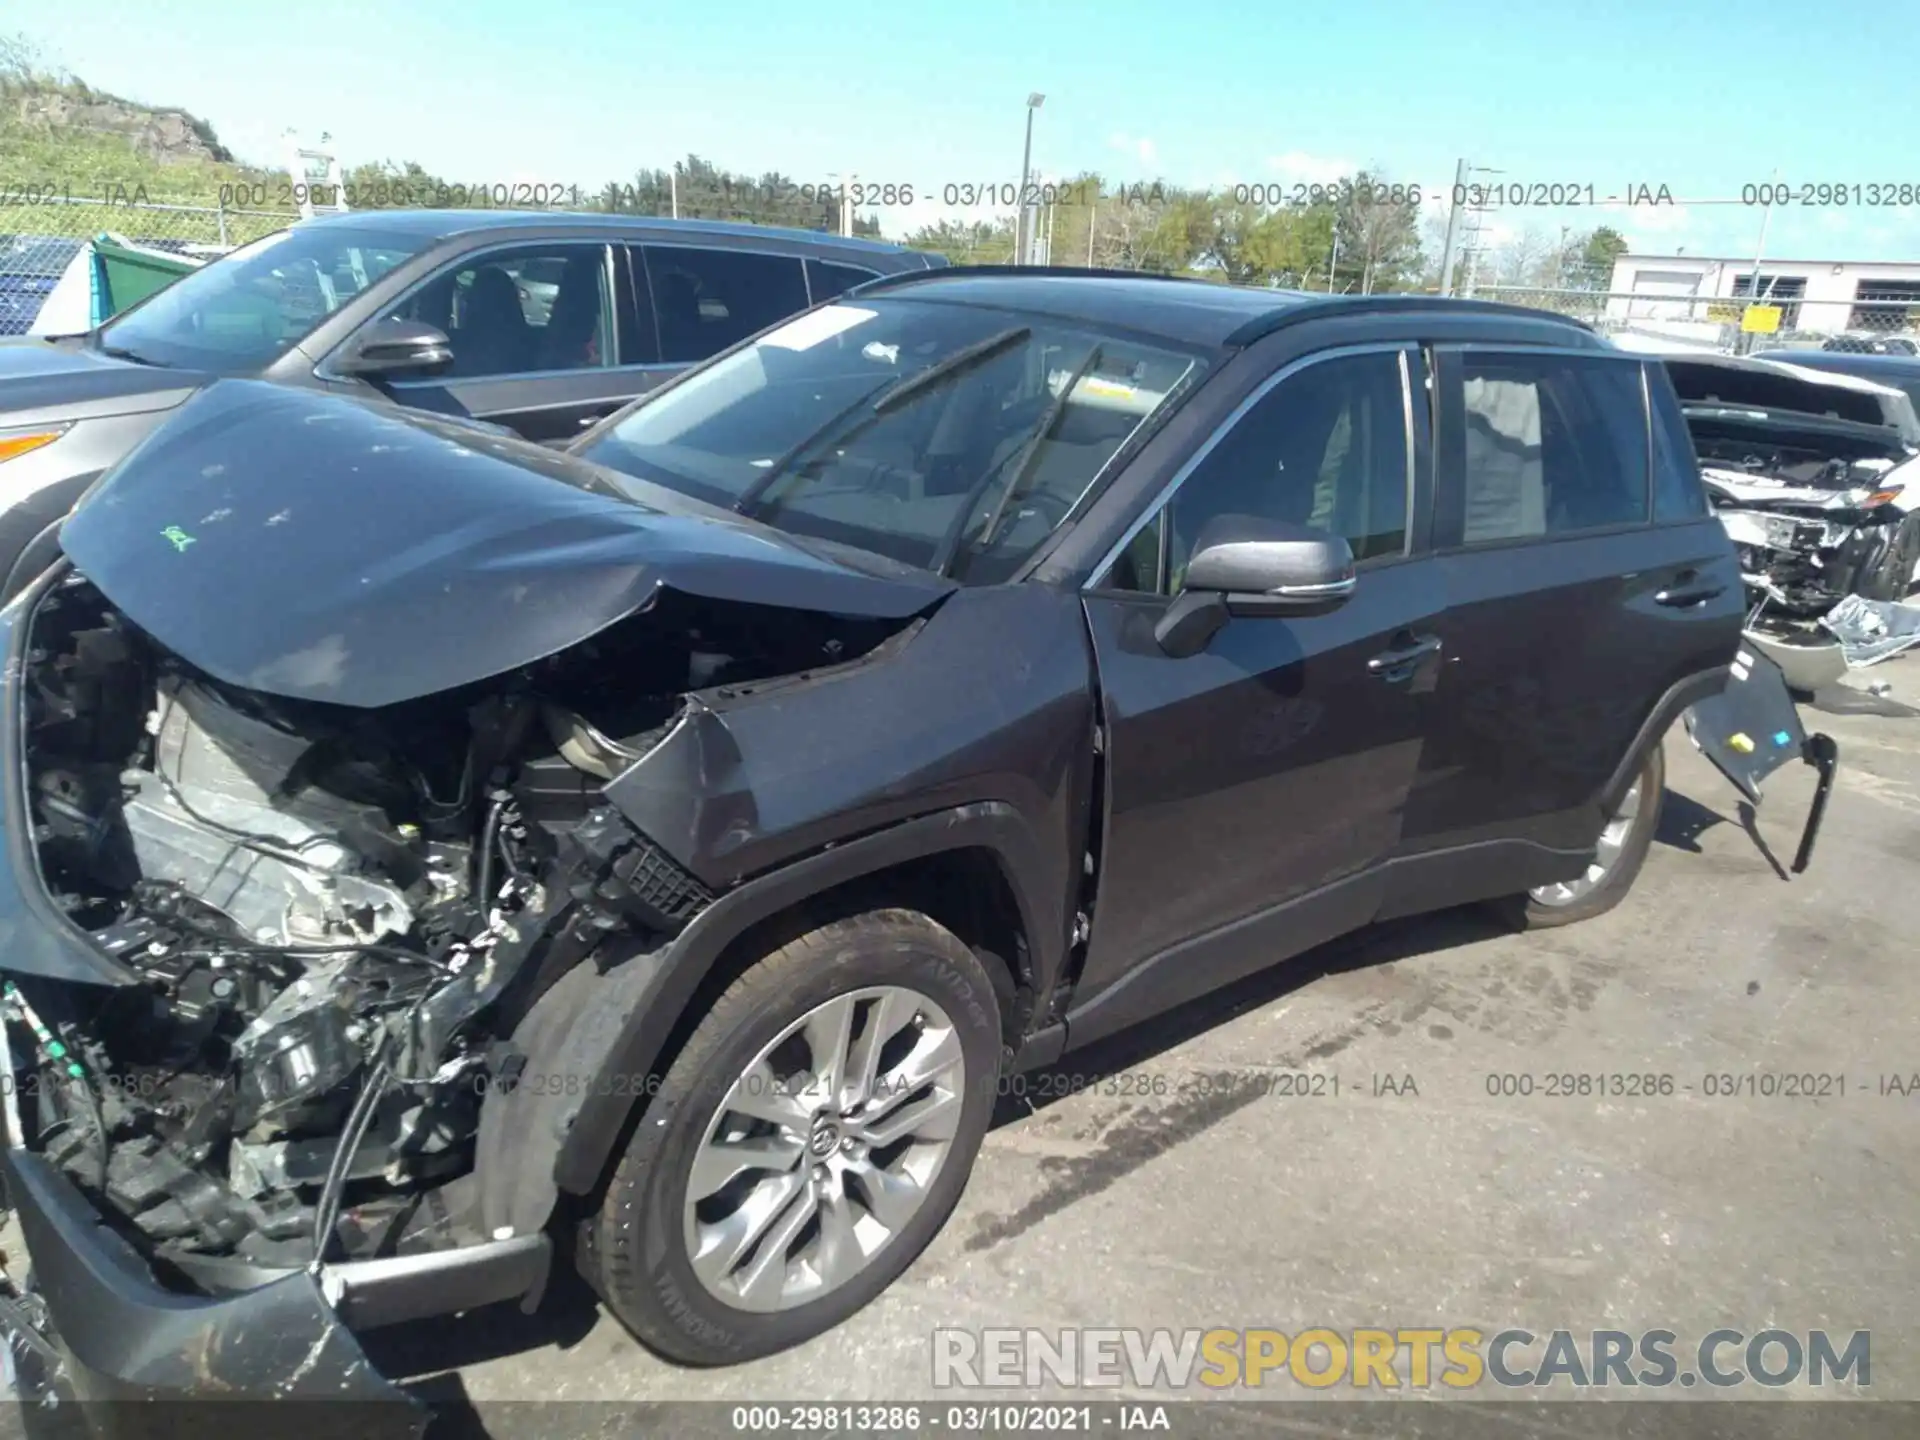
point(245, 310)
point(707, 300)
point(1326, 448)
point(946, 436)
point(1553, 444)
point(521, 311)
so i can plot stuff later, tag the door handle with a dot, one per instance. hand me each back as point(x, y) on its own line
point(1684, 595)
point(1398, 662)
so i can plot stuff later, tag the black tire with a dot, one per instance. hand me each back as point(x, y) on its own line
point(632, 1250)
point(1892, 578)
point(1525, 912)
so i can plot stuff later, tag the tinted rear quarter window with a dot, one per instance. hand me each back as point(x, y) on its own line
point(826, 279)
point(1552, 445)
point(706, 300)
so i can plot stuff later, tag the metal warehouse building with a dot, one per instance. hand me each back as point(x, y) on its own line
point(1823, 297)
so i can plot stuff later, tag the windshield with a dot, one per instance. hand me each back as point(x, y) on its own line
point(246, 309)
point(945, 436)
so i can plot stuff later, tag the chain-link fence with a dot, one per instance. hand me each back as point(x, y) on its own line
point(1733, 322)
point(41, 242)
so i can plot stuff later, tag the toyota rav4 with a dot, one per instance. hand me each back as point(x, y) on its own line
point(428, 853)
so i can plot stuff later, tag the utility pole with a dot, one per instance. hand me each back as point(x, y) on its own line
point(1449, 251)
point(1021, 238)
point(673, 188)
point(1093, 214)
point(1753, 285)
point(846, 204)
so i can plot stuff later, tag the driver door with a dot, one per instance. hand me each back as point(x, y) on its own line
point(1255, 789)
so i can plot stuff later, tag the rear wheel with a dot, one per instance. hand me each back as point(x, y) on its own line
point(806, 1144)
point(1617, 857)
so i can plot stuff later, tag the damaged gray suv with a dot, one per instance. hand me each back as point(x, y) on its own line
point(428, 854)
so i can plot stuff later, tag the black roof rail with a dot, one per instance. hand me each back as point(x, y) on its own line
point(1315, 307)
point(955, 272)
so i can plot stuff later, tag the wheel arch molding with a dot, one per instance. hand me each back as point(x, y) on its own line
point(616, 1030)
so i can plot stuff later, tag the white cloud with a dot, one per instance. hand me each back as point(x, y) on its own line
point(1496, 233)
point(1138, 146)
point(1299, 166)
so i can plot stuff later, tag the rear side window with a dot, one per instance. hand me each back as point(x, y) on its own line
point(706, 300)
point(826, 279)
point(1553, 445)
point(1677, 492)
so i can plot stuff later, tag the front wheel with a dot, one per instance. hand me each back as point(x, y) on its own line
point(806, 1144)
point(1892, 578)
point(1617, 857)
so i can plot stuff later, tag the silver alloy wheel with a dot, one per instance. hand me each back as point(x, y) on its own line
point(824, 1148)
point(1606, 854)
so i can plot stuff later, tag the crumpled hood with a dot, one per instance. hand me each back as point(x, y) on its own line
point(315, 547)
point(44, 381)
point(1780, 388)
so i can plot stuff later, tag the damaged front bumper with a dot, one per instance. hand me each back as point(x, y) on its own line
point(97, 1326)
point(100, 1331)
point(1752, 728)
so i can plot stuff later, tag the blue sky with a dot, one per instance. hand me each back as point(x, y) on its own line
point(1702, 98)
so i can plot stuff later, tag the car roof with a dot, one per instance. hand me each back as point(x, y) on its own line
point(1173, 308)
point(445, 224)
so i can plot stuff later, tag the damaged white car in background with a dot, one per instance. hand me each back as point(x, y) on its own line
point(1816, 478)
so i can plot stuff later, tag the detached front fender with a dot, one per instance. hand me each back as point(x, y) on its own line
point(593, 1043)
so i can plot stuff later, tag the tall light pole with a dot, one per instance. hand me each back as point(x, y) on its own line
point(1020, 239)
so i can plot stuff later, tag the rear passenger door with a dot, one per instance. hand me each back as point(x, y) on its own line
point(539, 335)
point(1583, 578)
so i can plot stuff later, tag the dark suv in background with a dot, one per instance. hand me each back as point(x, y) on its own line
point(671, 845)
point(540, 322)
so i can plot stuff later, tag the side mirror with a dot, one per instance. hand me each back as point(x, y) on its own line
point(1242, 565)
point(396, 346)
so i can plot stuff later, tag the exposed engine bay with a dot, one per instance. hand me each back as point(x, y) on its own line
point(336, 916)
point(1811, 511)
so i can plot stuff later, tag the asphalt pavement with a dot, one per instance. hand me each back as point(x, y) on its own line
point(1152, 1183)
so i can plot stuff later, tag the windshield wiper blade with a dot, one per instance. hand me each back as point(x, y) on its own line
point(968, 357)
point(755, 492)
point(892, 395)
point(1023, 466)
point(120, 352)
